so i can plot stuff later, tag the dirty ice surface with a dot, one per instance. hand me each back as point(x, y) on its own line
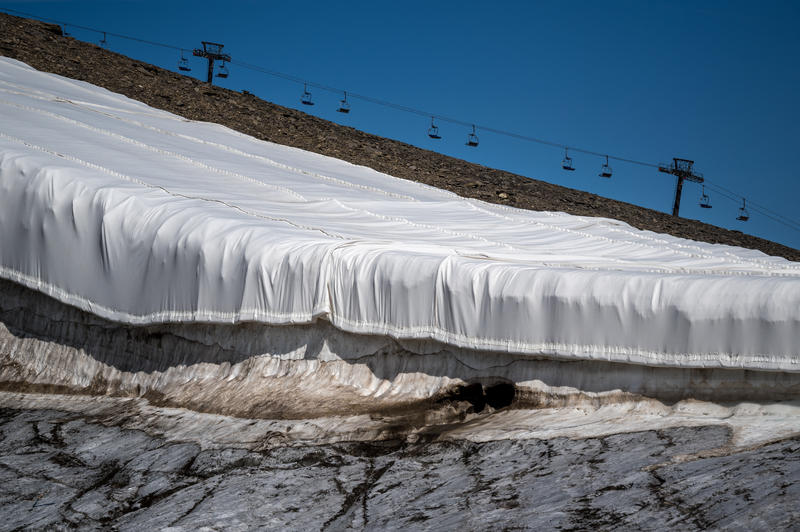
point(112, 463)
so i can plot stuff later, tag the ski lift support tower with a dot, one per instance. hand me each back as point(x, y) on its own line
point(213, 52)
point(682, 169)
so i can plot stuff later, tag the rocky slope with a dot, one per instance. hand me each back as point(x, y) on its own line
point(43, 47)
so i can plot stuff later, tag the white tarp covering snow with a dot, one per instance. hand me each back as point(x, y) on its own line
point(141, 216)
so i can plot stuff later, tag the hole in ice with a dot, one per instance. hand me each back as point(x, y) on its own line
point(472, 393)
point(500, 394)
point(497, 395)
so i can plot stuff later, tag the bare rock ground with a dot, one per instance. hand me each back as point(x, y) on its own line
point(62, 470)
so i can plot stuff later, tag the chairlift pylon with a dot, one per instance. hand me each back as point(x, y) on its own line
point(743, 214)
point(605, 170)
point(305, 99)
point(705, 201)
point(183, 64)
point(472, 138)
point(223, 71)
point(566, 163)
point(433, 131)
point(344, 106)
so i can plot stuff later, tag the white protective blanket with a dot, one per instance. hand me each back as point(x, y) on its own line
point(141, 216)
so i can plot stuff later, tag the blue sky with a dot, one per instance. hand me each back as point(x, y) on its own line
point(713, 81)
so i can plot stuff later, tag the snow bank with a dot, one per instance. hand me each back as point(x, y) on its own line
point(143, 217)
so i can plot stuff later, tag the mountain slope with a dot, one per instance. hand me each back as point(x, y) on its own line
point(43, 47)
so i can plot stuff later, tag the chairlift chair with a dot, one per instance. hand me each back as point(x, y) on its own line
point(103, 41)
point(705, 201)
point(472, 138)
point(305, 99)
point(433, 131)
point(344, 106)
point(605, 170)
point(743, 214)
point(183, 64)
point(566, 164)
point(223, 71)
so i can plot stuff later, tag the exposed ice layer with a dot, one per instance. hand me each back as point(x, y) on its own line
point(254, 370)
point(141, 217)
point(751, 425)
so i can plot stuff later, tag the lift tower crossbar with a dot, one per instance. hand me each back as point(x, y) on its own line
point(682, 169)
point(213, 52)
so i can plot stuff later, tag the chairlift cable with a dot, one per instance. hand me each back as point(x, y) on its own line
point(721, 188)
point(737, 198)
point(441, 118)
point(95, 30)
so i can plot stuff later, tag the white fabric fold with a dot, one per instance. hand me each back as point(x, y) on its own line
point(141, 216)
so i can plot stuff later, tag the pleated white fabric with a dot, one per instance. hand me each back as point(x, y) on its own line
point(141, 216)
